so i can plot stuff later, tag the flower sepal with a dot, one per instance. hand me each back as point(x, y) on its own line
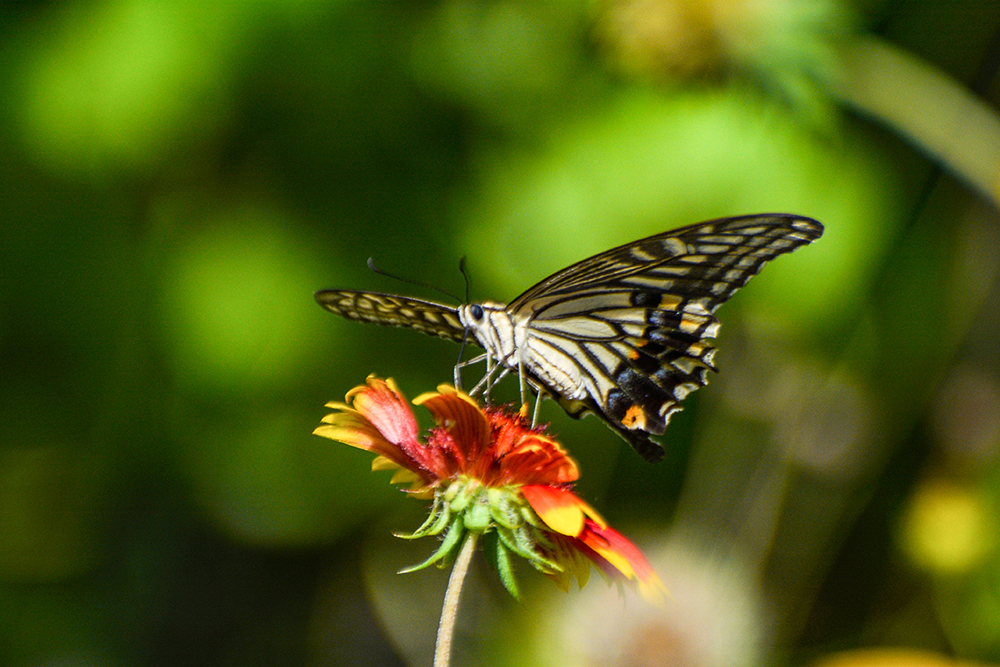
point(445, 553)
point(436, 521)
point(466, 506)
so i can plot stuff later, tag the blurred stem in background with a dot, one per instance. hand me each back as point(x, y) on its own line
point(953, 126)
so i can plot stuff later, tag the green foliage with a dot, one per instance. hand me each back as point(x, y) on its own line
point(499, 555)
point(178, 177)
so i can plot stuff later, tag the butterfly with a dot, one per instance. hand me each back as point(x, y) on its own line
point(621, 334)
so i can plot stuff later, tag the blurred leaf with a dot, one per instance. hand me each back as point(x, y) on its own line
point(114, 85)
point(266, 480)
point(506, 60)
point(50, 513)
point(237, 310)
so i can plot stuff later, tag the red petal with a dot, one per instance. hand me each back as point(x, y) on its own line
point(624, 557)
point(381, 403)
point(465, 423)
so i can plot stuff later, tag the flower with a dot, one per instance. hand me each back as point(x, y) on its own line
point(491, 474)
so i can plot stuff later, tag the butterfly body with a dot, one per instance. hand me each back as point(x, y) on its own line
point(621, 334)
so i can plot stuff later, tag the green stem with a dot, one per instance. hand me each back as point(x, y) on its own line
point(943, 118)
point(449, 610)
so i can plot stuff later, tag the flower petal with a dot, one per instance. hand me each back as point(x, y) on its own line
point(559, 509)
point(536, 459)
point(383, 463)
point(462, 418)
point(624, 557)
point(381, 403)
point(380, 421)
point(352, 429)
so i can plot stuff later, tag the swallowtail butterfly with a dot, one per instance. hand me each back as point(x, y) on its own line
point(621, 334)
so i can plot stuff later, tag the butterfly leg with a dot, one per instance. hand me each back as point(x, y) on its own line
point(490, 369)
point(520, 379)
point(462, 364)
point(478, 388)
point(524, 393)
point(537, 410)
point(491, 381)
point(474, 360)
point(503, 373)
point(486, 383)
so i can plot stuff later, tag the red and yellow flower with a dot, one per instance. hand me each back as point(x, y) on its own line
point(488, 473)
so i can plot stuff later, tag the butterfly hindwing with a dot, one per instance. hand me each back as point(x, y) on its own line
point(635, 375)
point(640, 442)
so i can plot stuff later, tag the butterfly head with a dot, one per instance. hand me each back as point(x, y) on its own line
point(474, 315)
point(493, 327)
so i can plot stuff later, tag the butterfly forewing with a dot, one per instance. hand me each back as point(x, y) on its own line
point(436, 319)
point(620, 334)
point(689, 256)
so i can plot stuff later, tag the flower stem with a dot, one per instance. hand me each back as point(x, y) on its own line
point(449, 610)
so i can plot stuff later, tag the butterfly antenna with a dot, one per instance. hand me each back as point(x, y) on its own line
point(372, 267)
point(465, 274)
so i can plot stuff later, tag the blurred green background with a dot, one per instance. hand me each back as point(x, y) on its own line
point(178, 178)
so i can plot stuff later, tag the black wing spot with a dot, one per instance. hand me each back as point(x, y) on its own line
point(618, 405)
point(665, 319)
point(645, 357)
point(629, 381)
point(645, 299)
point(642, 391)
